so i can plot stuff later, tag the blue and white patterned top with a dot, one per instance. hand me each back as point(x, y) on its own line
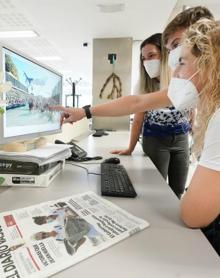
point(165, 122)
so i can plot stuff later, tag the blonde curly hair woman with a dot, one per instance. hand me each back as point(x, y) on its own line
point(198, 73)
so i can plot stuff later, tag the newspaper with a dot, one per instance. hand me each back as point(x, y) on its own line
point(41, 240)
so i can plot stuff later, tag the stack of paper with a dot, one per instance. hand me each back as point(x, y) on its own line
point(46, 154)
point(36, 167)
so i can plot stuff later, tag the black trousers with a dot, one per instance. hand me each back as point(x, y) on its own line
point(170, 155)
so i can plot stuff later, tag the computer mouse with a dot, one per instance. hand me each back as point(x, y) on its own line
point(112, 160)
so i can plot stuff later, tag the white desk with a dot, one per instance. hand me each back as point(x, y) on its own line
point(166, 249)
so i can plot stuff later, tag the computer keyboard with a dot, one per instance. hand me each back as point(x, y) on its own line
point(115, 181)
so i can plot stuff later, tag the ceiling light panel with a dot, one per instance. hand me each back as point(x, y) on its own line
point(18, 34)
point(13, 18)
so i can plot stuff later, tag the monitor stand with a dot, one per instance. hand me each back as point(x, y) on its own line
point(24, 146)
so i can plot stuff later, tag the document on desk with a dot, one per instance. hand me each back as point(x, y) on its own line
point(41, 240)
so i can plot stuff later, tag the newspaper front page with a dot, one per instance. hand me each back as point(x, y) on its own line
point(41, 240)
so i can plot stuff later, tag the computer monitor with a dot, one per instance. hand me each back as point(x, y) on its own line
point(35, 87)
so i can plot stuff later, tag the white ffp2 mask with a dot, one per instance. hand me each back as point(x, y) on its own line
point(174, 56)
point(183, 93)
point(152, 67)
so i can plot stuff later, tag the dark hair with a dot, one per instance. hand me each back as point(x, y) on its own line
point(39, 220)
point(147, 84)
point(155, 39)
point(184, 19)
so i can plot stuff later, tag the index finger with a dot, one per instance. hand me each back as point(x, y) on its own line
point(62, 118)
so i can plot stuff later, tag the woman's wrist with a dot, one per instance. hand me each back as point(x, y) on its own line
point(87, 111)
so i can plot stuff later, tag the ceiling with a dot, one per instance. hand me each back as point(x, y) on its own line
point(63, 27)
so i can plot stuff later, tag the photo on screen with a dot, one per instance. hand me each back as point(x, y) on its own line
point(34, 89)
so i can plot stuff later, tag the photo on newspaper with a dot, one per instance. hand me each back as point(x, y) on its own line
point(43, 239)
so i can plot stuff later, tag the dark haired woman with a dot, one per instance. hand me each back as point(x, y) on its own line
point(164, 131)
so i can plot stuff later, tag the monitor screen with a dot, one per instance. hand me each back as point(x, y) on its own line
point(34, 88)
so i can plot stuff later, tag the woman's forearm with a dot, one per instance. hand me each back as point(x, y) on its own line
point(119, 107)
point(131, 104)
